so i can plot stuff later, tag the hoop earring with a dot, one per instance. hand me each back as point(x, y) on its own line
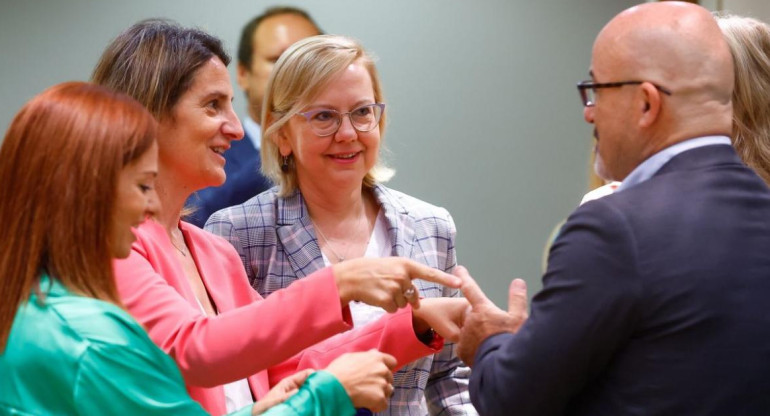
point(285, 164)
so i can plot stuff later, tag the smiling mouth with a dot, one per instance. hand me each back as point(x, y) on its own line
point(219, 150)
point(346, 156)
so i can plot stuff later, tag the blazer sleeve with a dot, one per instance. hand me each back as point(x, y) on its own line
point(585, 312)
point(118, 380)
point(320, 395)
point(215, 350)
point(392, 334)
point(259, 334)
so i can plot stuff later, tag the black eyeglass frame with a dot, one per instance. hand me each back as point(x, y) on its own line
point(588, 84)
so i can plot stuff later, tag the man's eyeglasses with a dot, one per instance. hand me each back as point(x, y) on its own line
point(587, 89)
point(325, 122)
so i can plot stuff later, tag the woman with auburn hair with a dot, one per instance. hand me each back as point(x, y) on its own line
point(749, 41)
point(79, 168)
point(188, 287)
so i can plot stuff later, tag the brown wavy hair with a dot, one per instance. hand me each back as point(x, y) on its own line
point(155, 60)
point(62, 156)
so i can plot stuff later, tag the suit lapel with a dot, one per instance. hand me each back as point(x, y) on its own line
point(207, 272)
point(400, 224)
point(296, 235)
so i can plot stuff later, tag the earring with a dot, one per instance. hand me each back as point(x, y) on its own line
point(285, 164)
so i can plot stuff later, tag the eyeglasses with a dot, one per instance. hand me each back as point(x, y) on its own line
point(587, 89)
point(325, 122)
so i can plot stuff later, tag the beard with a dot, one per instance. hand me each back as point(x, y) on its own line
point(599, 166)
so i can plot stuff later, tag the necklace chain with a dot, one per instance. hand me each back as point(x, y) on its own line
point(329, 245)
point(184, 252)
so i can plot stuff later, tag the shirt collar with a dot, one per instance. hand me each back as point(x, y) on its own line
point(649, 167)
point(253, 131)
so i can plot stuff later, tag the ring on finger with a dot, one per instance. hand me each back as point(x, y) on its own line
point(408, 293)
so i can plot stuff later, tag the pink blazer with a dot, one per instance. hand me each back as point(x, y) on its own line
point(251, 337)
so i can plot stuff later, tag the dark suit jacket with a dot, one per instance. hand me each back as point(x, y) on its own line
point(244, 180)
point(656, 301)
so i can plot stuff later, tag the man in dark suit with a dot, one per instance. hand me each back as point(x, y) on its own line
point(655, 298)
point(263, 40)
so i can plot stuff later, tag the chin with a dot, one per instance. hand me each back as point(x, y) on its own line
point(601, 169)
point(216, 178)
point(122, 252)
point(122, 249)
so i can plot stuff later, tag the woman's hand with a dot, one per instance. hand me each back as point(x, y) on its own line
point(444, 315)
point(386, 282)
point(280, 392)
point(367, 378)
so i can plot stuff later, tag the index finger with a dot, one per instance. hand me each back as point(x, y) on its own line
point(421, 271)
point(470, 288)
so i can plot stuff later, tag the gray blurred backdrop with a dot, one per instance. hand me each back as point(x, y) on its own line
point(484, 116)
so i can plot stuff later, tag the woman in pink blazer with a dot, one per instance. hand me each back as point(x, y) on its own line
point(188, 287)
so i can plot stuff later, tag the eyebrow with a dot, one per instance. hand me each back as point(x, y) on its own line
point(359, 103)
point(214, 94)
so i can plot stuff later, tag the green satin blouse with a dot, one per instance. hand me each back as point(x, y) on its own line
point(73, 355)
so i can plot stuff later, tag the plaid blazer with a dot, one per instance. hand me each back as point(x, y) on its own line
point(276, 241)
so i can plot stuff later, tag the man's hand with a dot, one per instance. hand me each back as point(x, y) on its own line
point(484, 319)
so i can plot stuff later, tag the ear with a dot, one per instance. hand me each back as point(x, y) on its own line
point(281, 139)
point(651, 104)
point(242, 75)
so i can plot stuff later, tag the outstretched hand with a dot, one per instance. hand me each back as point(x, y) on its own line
point(443, 315)
point(386, 282)
point(484, 319)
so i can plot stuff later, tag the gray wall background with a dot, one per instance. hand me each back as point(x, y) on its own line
point(484, 115)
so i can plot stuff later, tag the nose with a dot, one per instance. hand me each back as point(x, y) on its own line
point(346, 132)
point(152, 207)
point(588, 114)
point(232, 128)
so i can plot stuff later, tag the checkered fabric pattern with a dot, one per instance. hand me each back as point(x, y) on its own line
point(277, 244)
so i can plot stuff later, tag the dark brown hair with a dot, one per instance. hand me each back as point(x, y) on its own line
point(246, 45)
point(154, 62)
point(62, 157)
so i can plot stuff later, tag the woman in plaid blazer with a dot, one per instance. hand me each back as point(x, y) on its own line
point(322, 122)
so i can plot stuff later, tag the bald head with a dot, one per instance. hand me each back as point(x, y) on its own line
point(676, 80)
point(674, 44)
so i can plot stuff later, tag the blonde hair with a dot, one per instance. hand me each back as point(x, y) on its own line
point(300, 75)
point(749, 41)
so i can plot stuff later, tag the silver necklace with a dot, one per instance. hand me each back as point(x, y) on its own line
point(184, 252)
point(328, 244)
point(326, 241)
